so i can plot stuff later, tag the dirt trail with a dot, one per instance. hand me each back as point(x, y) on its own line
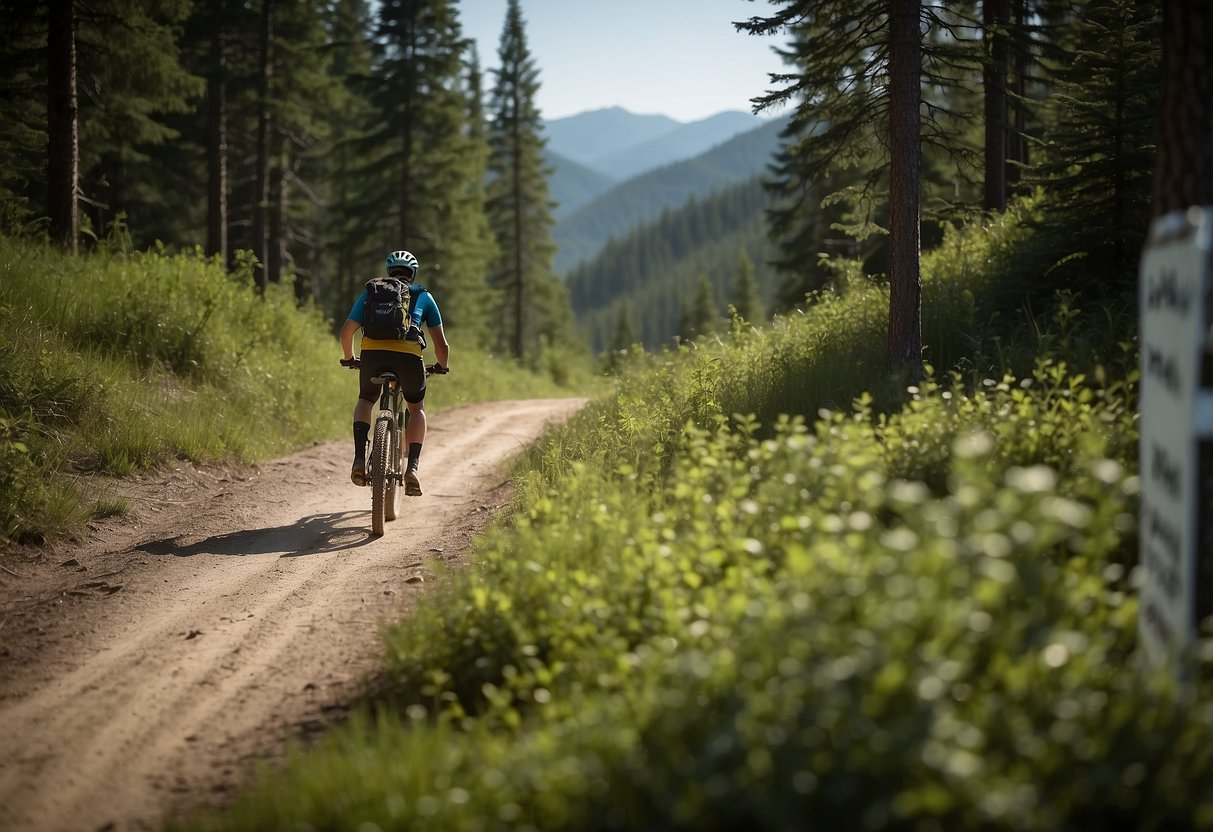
point(144, 671)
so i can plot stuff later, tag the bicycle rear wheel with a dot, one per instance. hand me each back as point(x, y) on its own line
point(380, 454)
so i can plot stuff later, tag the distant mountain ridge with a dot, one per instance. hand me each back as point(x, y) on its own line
point(621, 144)
point(590, 135)
point(682, 142)
point(650, 275)
point(572, 184)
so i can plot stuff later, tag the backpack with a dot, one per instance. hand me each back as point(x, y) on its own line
point(384, 317)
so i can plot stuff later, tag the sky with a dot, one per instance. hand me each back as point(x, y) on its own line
point(679, 58)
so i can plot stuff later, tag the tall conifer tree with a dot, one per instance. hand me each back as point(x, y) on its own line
point(699, 315)
point(23, 129)
point(519, 206)
point(746, 298)
point(347, 245)
point(63, 149)
point(1099, 143)
point(130, 60)
point(422, 165)
point(856, 84)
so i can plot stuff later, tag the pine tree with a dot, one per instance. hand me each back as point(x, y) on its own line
point(305, 93)
point(857, 84)
point(216, 132)
point(519, 206)
point(747, 301)
point(131, 62)
point(467, 301)
point(421, 170)
point(622, 340)
point(699, 315)
point(345, 240)
point(995, 16)
point(63, 148)
point(23, 129)
point(905, 186)
point(1099, 145)
point(1183, 176)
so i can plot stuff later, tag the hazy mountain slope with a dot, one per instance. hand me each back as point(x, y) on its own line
point(587, 136)
point(572, 184)
point(653, 270)
point(581, 235)
point(683, 142)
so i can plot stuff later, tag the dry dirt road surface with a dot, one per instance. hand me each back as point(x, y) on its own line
point(145, 670)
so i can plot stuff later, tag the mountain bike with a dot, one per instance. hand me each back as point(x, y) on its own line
point(386, 471)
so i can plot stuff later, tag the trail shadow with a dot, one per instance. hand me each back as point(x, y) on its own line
point(312, 535)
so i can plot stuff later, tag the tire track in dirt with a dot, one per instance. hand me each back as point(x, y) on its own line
point(217, 630)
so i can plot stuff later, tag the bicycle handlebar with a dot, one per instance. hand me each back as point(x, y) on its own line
point(434, 369)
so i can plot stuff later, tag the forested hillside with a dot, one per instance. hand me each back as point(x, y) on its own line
point(573, 184)
point(684, 141)
point(642, 287)
point(587, 136)
point(628, 205)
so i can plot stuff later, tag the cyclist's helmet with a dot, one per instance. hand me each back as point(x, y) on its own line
point(403, 260)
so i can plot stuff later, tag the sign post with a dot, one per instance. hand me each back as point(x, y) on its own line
point(1176, 454)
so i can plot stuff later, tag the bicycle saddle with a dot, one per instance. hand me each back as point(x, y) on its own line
point(384, 378)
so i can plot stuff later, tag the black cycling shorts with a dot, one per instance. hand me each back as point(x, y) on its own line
point(409, 370)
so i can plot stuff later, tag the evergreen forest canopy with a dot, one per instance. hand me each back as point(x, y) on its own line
point(316, 134)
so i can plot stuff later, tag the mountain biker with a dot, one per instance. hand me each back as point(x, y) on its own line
point(402, 357)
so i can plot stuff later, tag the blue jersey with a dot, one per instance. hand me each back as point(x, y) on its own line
point(425, 311)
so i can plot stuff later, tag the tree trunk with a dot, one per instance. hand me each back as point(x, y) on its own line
point(905, 124)
point(1017, 146)
point(261, 193)
point(1183, 175)
point(1183, 178)
point(994, 14)
point(63, 146)
point(216, 155)
point(275, 237)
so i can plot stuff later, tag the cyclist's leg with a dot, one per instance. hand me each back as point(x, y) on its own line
point(413, 386)
point(368, 392)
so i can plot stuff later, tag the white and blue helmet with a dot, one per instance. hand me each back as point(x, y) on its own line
point(403, 260)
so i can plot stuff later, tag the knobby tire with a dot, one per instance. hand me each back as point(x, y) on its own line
point(391, 505)
point(380, 454)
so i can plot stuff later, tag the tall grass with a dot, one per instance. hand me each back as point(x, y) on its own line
point(116, 361)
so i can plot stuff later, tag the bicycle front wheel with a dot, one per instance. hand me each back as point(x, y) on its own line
point(380, 472)
point(391, 503)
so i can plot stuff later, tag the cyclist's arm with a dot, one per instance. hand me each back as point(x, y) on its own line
point(353, 323)
point(347, 338)
point(442, 350)
point(432, 318)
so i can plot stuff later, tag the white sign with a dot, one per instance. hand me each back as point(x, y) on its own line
point(1174, 283)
